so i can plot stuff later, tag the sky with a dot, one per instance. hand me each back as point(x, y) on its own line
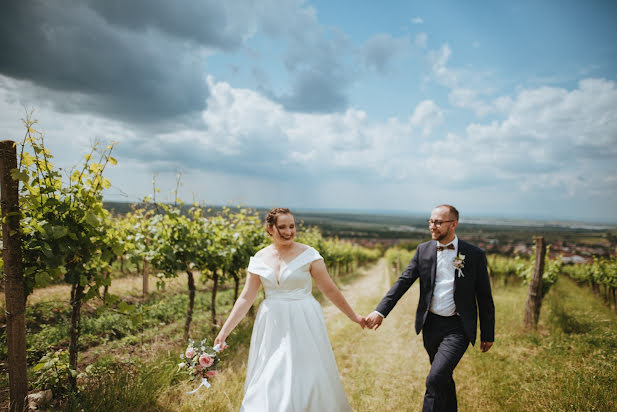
point(500, 108)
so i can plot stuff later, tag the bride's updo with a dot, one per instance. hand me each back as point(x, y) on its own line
point(273, 215)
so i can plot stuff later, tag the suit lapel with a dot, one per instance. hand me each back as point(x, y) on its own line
point(462, 247)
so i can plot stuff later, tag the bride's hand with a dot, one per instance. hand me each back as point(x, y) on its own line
point(220, 340)
point(360, 320)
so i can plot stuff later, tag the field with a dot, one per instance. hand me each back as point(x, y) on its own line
point(128, 358)
point(569, 363)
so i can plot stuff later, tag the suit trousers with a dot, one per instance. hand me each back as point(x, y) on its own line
point(445, 342)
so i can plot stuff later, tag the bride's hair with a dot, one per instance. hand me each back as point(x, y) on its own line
point(273, 214)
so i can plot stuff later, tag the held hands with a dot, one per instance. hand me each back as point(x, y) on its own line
point(373, 321)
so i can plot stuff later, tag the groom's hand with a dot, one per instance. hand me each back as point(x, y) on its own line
point(373, 321)
point(485, 346)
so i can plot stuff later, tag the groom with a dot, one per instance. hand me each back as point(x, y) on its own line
point(454, 290)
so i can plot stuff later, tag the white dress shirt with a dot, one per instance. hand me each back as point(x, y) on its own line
point(442, 302)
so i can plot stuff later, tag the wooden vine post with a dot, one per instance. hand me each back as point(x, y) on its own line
point(145, 278)
point(534, 297)
point(13, 275)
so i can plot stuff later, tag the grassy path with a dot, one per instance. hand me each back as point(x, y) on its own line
point(383, 369)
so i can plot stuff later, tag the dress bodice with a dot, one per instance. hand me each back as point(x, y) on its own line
point(295, 280)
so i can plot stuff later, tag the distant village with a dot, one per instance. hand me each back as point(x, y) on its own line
point(569, 251)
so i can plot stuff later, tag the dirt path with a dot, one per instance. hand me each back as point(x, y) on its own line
point(383, 369)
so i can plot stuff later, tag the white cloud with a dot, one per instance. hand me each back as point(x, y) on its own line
point(468, 99)
point(417, 20)
point(503, 103)
point(234, 115)
point(471, 99)
point(421, 40)
point(244, 126)
point(438, 60)
point(467, 84)
point(427, 115)
point(550, 139)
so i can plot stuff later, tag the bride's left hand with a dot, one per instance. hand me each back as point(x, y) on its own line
point(220, 340)
point(360, 320)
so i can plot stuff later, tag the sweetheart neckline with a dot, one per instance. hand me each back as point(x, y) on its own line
point(278, 278)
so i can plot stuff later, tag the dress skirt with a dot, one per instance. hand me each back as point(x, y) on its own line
point(291, 366)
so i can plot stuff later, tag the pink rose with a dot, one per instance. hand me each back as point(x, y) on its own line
point(190, 352)
point(199, 368)
point(206, 360)
point(211, 374)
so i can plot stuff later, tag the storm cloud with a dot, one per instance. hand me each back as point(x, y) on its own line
point(145, 61)
point(381, 49)
point(66, 47)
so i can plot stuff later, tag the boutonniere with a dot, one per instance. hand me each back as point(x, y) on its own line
point(459, 264)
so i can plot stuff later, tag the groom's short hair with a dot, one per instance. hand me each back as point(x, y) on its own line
point(452, 210)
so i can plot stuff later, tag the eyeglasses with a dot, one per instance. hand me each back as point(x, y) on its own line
point(437, 223)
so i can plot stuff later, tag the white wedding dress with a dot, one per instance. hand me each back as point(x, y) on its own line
point(291, 367)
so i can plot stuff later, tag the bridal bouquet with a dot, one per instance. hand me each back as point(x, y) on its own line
point(200, 360)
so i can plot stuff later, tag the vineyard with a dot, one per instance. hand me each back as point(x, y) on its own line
point(600, 276)
point(109, 300)
point(66, 236)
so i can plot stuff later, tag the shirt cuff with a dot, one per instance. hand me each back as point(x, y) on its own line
point(379, 314)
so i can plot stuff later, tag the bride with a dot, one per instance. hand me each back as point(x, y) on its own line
point(291, 366)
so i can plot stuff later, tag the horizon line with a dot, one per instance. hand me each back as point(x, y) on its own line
point(468, 219)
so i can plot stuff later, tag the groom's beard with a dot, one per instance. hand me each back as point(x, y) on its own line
point(439, 236)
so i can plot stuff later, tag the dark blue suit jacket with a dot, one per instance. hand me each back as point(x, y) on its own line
point(472, 292)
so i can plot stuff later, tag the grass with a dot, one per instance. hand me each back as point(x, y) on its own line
point(124, 386)
point(568, 364)
point(157, 334)
point(48, 330)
